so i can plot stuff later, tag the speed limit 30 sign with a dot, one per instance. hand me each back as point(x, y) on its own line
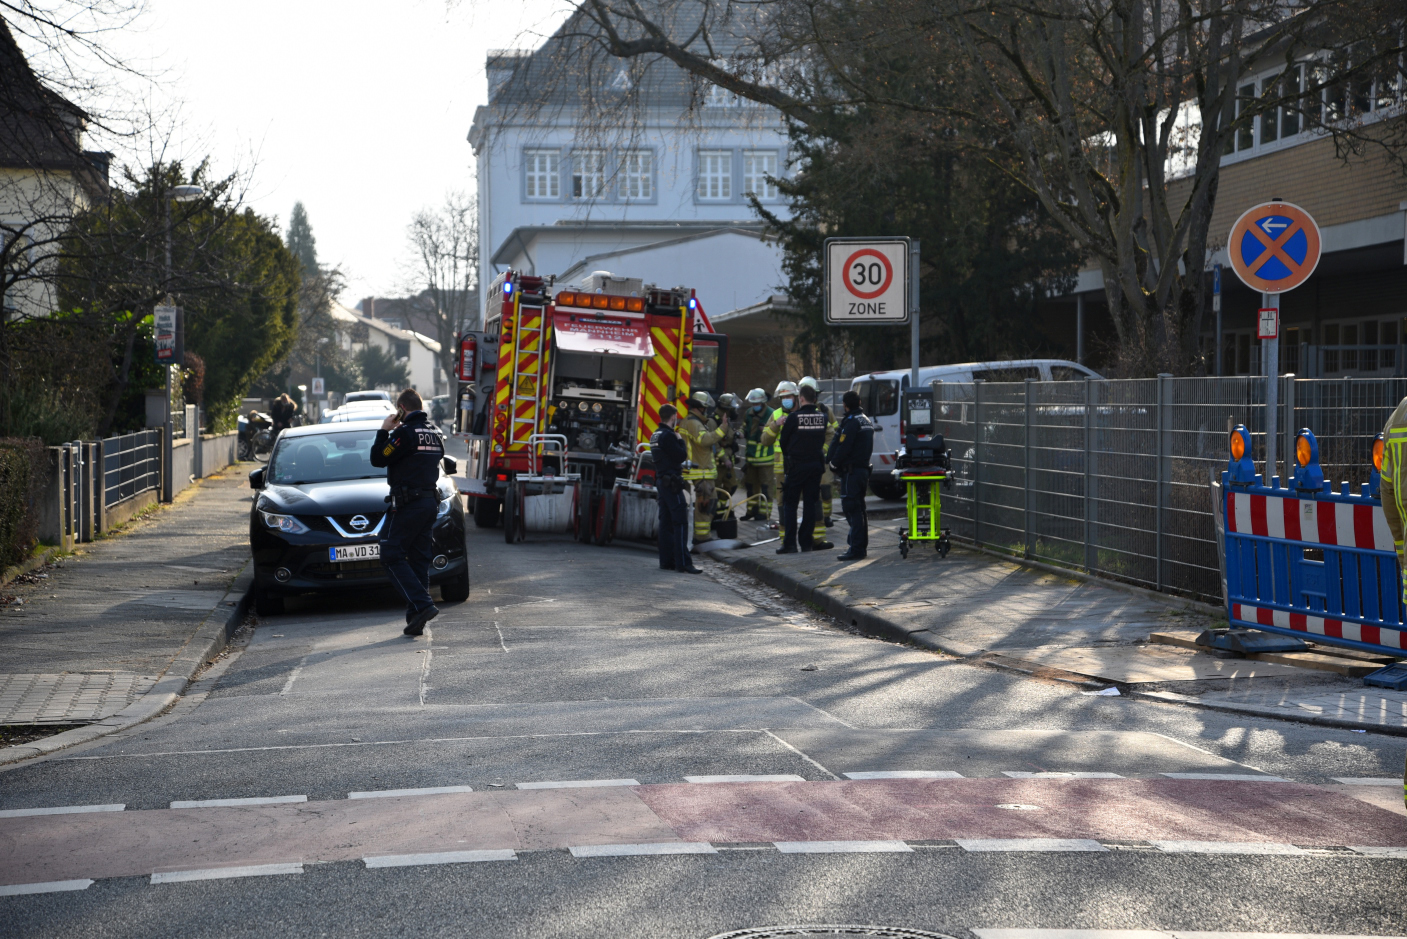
point(867, 281)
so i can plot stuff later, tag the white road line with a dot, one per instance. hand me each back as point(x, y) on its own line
point(1392, 781)
point(906, 774)
point(52, 886)
point(841, 847)
point(634, 850)
point(800, 753)
point(1226, 777)
point(441, 857)
point(1380, 852)
point(225, 803)
point(62, 810)
point(1020, 775)
point(776, 777)
point(1030, 844)
point(393, 793)
point(577, 783)
point(293, 676)
point(499, 630)
point(1225, 847)
point(223, 873)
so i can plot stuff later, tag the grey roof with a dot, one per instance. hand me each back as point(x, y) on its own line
point(520, 236)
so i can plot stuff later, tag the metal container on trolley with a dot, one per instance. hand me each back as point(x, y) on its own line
point(921, 466)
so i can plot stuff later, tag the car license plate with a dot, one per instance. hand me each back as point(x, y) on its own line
point(355, 552)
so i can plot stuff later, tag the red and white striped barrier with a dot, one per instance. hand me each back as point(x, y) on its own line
point(1320, 626)
point(1311, 521)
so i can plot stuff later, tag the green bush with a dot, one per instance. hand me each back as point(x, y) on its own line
point(21, 483)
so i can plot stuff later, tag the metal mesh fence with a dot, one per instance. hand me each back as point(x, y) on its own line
point(131, 465)
point(1112, 476)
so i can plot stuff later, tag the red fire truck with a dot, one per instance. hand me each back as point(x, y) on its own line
point(560, 391)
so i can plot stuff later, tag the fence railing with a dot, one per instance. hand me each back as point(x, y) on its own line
point(131, 465)
point(1112, 477)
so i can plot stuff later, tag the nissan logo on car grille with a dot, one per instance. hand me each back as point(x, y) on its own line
point(359, 522)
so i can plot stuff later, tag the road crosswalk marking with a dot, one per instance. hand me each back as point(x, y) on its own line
point(440, 857)
point(63, 810)
point(226, 873)
point(396, 793)
point(632, 850)
point(1030, 844)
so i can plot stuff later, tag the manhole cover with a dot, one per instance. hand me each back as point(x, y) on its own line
point(788, 932)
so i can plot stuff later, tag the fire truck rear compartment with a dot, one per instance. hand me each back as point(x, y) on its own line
point(593, 402)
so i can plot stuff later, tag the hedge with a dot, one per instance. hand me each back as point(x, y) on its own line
point(22, 462)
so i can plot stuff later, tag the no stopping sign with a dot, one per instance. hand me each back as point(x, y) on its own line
point(867, 281)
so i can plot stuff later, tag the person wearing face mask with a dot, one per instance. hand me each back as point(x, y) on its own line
point(669, 453)
point(787, 392)
point(758, 476)
point(804, 445)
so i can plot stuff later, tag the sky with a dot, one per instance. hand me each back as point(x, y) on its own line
point(359, 109)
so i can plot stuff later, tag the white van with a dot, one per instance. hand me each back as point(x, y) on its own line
point(879, 395)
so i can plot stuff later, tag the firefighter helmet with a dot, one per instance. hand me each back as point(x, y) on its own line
point(809, 382)
point(757, 396)
point(728, 402)
point(702, 398)
point(786, 388)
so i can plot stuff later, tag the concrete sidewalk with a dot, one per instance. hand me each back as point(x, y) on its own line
point(1003, 613)
point(110, 636)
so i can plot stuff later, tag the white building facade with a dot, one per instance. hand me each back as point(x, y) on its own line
point(657, 188)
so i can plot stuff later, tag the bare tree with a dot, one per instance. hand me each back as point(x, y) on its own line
point(1118, 110)
point(444, 248)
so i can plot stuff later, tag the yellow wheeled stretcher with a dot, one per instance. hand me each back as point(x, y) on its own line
point(925, 509)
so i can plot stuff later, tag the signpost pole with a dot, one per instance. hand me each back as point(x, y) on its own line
point(1216, 307)
point(1270, 355)
point(913, 314)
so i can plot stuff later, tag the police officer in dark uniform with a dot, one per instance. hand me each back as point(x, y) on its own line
point(670, 454)
point(411, 449)
point(803, 441)
point(849, 458)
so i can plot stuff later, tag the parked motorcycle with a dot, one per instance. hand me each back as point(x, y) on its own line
point(256, 437)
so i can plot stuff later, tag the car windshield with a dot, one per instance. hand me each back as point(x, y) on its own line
point(317, 458)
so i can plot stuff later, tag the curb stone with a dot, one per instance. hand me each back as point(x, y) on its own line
point(30, 564)
point(834, 602)
point(208, 640)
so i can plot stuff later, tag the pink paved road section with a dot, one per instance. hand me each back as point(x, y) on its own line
point(116, 844)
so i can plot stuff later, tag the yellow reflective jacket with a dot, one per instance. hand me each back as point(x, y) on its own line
point(771, 433)
point(702, 438)
point(1393, 483)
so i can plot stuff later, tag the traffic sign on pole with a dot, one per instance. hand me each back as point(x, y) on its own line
point(1274, 247)
point(867, 281)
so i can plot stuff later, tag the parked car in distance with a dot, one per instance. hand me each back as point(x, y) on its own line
point(354, 396)
point(880, 395)
point(319, 506)
point(374, 409)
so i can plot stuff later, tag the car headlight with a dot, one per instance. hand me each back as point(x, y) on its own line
point(284, 523)
point(442, 512)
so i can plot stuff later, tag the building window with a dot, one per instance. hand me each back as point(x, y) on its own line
point(715, 175)
point(588, 174)
point(543, 179)
point(637, 175)
point(758, 166)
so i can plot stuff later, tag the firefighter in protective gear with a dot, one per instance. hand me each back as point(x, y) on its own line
point(759, 477)
point(823, 515)
point(703, 436)
point(1394, 480)
point(730, 461)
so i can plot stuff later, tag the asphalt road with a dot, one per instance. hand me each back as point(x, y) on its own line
point(573, 663)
